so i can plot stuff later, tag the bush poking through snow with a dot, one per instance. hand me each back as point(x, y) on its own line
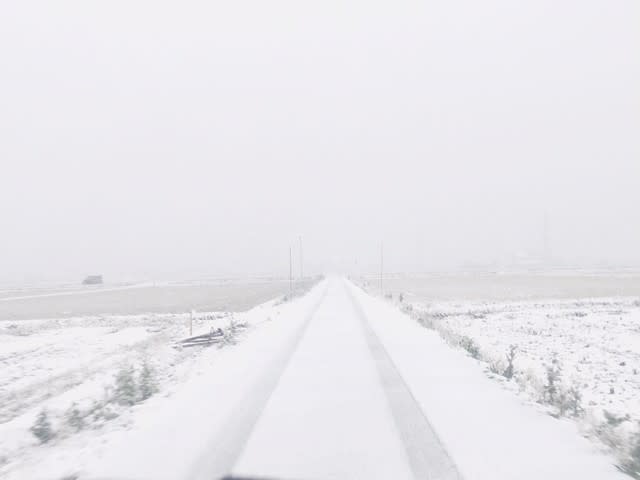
point(130, 390)
point(147, 384)
point(470, 346)
point(42, 429)
point(229, 335)
point(511, 356)
point(102, 412)
point(126, 391)
point(550, 391)
point(631, 465)
point(497, 367)
point(74, 418)
point(614, 420)
point(574, 401)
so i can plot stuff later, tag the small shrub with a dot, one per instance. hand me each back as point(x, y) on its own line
point(125, 391)
point(611, 436)
point(562, 401)
point(614, 420)
point(229, 335)
point(147, 385)
point(426, 321)
point(553, 377)
point(42, 429)
point(631, 464)
point(573, 399)
point(103, 412)
point(511, 356)
point(497, 367)
point(74, 418)
point(470, 346)
point(241, 324)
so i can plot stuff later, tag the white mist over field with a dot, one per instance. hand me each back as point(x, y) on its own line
point(155, 138)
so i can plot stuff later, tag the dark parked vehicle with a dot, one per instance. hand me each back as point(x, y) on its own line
point(93, 280)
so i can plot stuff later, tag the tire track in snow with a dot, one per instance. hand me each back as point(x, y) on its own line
point(216, 463)
point(427, 456)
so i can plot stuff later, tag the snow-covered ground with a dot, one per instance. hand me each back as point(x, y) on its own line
point(595, 342)
point(70, 364)
point(300, 391)
point(590, 344)
point(487, 430)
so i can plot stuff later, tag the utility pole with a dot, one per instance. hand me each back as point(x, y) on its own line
point(290, 274)
point(545, 240)
point(381, 267)
point(301, 268)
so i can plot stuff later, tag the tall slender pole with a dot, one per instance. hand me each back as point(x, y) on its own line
point(301, 267)
point(290, 273)
point(545, 239)
point(381, 267)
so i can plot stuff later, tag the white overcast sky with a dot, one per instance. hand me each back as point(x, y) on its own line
point(154, 138)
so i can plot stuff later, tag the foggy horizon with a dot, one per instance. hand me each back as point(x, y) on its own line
point(151, 139)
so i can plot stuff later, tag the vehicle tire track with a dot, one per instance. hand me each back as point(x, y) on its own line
point(217, 462)
point(427, 456)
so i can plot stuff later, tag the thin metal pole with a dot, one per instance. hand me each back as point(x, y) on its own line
point(545, 239)
point(301, 267)
point(290, 273)
point(381, 267)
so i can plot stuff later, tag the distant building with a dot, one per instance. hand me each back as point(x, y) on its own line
point(93, 280)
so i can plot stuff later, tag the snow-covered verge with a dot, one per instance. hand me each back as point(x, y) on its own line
point(75, 390)
point(572, 358)
point(489, 431)
point(578, 359)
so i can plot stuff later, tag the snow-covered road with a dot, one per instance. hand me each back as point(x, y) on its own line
point(331, 415)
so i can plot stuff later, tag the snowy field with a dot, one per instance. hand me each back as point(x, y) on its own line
point(78, 369)
point(582, 330)
point(73, 301)
point(510, 286)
